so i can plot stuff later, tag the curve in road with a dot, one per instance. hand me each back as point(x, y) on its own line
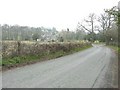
point(84, 69)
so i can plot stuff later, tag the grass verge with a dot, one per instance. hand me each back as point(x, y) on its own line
point(115, 48)
point(8, 63)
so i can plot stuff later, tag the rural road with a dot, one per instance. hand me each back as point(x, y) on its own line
point(91, 68)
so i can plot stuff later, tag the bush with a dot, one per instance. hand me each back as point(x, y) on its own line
point(36, 52)
point(13, 49)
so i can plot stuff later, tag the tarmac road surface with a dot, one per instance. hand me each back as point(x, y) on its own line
point(87, 69)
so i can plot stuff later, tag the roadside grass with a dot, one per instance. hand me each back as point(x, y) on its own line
point(117, 50)
point(8, 63)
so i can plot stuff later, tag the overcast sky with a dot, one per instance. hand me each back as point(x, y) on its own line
point(61, 14)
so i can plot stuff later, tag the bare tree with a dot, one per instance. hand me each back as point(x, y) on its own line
point(91, 22)
point(102, 21)
point(106, 21)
